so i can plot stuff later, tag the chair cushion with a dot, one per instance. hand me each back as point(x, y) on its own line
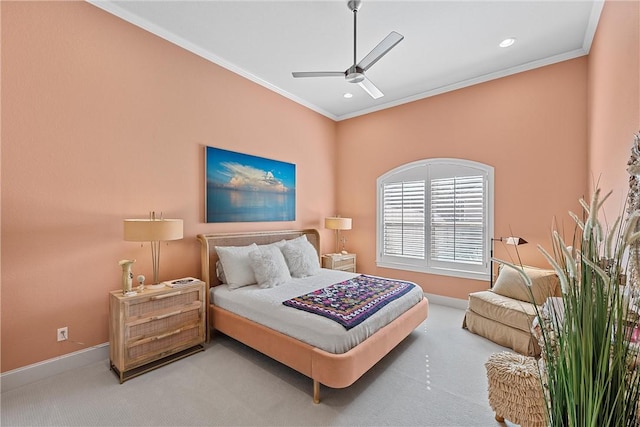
point(545, 283)
point(509, 311)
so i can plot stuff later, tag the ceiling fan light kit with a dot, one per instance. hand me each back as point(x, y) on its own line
point(356, 72)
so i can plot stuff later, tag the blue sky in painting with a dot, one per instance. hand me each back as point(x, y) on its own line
point(240, 171)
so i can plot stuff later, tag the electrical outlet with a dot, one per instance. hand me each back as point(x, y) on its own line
point(63, 334)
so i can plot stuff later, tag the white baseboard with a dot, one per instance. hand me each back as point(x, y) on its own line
point(447, 301)
point(47, 368)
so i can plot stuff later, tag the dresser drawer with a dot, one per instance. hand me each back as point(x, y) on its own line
point(339, 263)
point(164, 321)
point(153, 303)
point(140, 351)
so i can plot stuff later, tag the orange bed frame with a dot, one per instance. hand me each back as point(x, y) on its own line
point(329, 369)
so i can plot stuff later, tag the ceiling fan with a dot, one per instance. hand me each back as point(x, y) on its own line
point(355, 73)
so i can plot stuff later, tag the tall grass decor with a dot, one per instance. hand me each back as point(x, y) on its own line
point(589, 337)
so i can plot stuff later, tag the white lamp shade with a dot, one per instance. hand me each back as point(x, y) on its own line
point(152, 230)
point(337, 223)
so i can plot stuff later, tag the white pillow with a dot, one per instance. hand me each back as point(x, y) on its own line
point(269, 266)
point(298, 239)
point(236, 265)
point(301, 258)
point(277, 244)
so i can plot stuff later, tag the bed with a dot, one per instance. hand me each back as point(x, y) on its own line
point(323, 366)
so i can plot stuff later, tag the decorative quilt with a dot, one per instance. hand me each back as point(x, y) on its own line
point(351, 302)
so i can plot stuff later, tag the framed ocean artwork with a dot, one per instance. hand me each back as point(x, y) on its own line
point(245, 188)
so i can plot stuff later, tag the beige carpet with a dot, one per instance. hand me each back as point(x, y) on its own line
point(436, 377)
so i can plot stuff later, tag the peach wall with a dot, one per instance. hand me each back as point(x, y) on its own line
point(103, 121)
point(614, 99)
point(531, 127)
point(96, 115)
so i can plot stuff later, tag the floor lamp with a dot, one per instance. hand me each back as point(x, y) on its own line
point(512, 240)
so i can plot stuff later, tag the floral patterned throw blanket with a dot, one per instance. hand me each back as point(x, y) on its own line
point(351, 302)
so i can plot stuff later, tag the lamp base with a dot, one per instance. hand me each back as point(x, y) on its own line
point(157, 286)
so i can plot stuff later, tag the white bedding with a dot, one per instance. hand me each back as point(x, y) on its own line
point(265, 306)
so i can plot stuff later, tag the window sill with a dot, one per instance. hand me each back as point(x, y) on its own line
point(439, 271)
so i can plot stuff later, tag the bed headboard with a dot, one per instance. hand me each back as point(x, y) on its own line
point(209, 256)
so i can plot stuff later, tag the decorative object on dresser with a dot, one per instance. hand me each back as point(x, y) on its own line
point(155, 327)
point(512, 240)
point(154, 230)
point(127, 276)
point(338, 223)
point(180, 283)
point(344, 262)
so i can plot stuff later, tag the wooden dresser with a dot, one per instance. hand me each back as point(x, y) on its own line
point(155, 327)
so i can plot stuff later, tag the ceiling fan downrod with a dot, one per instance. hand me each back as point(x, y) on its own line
point(353, 74)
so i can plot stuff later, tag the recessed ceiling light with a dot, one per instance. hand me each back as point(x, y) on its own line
point(507, 42)
point(348, 95)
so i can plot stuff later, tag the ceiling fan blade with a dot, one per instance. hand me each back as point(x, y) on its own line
point(318, 74)
point(370, 88)
point(379, 51)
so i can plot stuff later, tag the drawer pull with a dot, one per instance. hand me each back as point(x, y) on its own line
point(172, 294)
point(164, 316)
point(168, 334)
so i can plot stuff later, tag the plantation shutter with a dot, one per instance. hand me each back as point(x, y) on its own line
point(436, 216)
point(457, 219)
point(404, 219)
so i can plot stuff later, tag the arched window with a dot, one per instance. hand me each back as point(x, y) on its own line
point(436, 216)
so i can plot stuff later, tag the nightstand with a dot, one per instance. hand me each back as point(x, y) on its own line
point(344, 262)
point(155, 327)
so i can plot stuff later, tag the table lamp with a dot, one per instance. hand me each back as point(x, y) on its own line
point(153, 230)
point(337, 223)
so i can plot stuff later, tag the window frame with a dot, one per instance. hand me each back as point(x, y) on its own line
point(425, 170)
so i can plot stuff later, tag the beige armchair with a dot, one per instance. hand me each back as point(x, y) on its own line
point(505, 313)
